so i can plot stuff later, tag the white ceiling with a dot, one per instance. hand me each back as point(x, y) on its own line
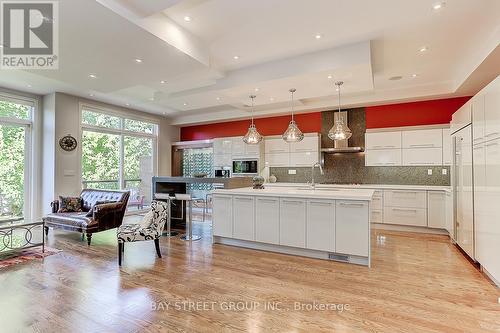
point(363, 42)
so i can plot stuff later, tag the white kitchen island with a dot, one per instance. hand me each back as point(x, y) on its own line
point(329, 224)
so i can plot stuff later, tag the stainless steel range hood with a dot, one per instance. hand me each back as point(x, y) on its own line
point(341, 146)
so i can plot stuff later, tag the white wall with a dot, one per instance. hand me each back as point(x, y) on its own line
point(61, 169)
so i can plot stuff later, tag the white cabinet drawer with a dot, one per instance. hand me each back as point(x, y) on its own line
point(304, 159)
point(436, 209)
point(293, 222)
point(222, 215)
point(422, 156)
point(383, 140)
point(351, 228)
point(243, 221)
point(267, 220)
point(276, 145)
point(308, 144)
point(320, 225)
point(431, 138)
point(377, 216)
point(377, 203)
point(405, 199)
point(383, 157)
point(278, 159)
point(405, 216)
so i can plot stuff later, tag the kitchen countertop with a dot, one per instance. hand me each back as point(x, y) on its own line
point(334, 194)
point(365, 186)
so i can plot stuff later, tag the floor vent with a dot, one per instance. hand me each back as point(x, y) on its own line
point(338, 257)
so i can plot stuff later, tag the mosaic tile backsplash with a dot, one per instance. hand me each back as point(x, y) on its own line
point(350, 168)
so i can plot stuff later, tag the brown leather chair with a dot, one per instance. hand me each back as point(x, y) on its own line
point(104, 216)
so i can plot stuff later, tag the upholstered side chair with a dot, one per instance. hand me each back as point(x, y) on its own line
point(150, 228)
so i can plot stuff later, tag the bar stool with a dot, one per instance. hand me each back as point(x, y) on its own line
point(208, 198)
point(168, 199)
point(189, 218)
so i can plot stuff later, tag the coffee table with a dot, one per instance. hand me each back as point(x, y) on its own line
point(17, 234)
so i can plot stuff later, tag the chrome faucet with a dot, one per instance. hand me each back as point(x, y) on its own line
point(317, 164)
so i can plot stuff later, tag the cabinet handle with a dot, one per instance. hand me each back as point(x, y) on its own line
point(405, 210)
point(349, 204)
point(292, 202)
point(303, 149)
point(422, 163)
point(277, 151)
point(423, 145)
point(389, 146)
point(378, 146)
point(319, 203)
point(243, 199)
point(492, 134)
point(268, 200)
point(478, 147)
point(491, 144)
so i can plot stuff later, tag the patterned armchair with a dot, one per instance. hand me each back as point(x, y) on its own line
point(150, 228)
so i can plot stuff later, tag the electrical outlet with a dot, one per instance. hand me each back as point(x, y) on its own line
point(429, 172)
point(292, 172)
point(445, 172)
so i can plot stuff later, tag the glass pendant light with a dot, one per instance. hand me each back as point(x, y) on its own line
point(293, 133)
point(339, 131)
point(252, 137)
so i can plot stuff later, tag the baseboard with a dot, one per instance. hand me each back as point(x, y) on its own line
point(423, 230)
point(489, 276)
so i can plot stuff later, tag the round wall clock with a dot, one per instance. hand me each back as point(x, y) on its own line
point(68, 143)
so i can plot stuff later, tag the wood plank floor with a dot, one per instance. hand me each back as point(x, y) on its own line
point(418, 283)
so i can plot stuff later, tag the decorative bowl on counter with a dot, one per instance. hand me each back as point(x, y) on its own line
point(200, 174)
point(258, 182)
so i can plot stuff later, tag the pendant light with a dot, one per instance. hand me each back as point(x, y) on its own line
point(339, 131)
point(252, 137)
point(293, 133)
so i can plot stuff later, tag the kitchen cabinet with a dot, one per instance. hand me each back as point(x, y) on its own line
point(222, 215)
point(405, 216)
point(304, 159)
point(377, 216)
point(276, 145)
point(383, 140)
point(244, 219)
point(308, 144)
point(351, 228)
point(292, 222)
point(478, 121)
point(320, 230)
point(383, 157)
point(491, 110)
point(267, 220)
point(253, 150)
point(223, 160)
point(278, 160)
point(450, 213)
point(436, 209)
point(238, 148)
point(447, 147)
point(422, 156)
point(430, 138)
point(222, 146)
point(405, 199)
point(462, 117)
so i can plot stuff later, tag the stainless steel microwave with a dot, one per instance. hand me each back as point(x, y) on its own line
point(245, 167)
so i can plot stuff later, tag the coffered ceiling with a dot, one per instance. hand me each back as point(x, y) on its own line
point(201, 59)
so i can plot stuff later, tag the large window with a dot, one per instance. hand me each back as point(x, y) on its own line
point(15, 152)
point(119, 153)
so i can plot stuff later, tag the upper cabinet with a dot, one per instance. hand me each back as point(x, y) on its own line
point(431, 138)
point(478, 119)
point(447, 147)
point(383, 140)
point(491, 110)
point(299, 154)
point(462, 117)
point(308, 144)
point(222, 146)
point(276, 145)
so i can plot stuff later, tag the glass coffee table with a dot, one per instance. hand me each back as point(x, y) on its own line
point(17, 234)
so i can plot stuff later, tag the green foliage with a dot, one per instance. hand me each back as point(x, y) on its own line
point(12, 155)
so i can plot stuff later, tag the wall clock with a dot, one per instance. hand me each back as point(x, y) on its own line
point(68, 143)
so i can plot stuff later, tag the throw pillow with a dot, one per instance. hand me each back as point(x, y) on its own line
point(147, 220)
point(69, 204)
point(90, 213)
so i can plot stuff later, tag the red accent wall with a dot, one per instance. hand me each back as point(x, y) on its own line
point(308, 123)
point(413, 114)
point(393, 115)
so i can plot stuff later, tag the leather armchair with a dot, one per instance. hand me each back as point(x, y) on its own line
point(104, 216)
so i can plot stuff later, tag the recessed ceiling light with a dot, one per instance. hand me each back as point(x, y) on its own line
point(414, 75)
point(271, 99)
point(152, 99)
point(423, 49)
point(217, 98)
point(163, 81)
point(92, 76)
point(185, 104)
point(236, 57)
point(438, 5)
point(91, 95)
point(318, 36)
point(256, 89)
point(137, 60)
point(187, 18)
point(395, 78)
point(330, 77)
point(1, 45)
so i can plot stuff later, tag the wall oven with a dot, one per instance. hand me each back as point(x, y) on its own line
point(245, 167)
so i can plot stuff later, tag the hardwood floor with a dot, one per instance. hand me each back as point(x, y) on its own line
point(417, 283)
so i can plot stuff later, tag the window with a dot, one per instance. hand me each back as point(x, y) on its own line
point(15, 156)
point(119, 153)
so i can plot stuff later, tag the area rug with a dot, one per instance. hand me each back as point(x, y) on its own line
point(25, 256)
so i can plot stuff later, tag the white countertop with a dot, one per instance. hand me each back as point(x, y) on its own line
point(363, 186)
point(289, 192)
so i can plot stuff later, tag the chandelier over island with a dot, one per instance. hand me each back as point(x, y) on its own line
point(339, 130)
point(253, 136)
point(293, 133)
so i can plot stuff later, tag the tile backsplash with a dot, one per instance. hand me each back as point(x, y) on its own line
point(350, 167)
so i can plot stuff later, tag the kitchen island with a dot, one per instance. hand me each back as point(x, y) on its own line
point(329, 224)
